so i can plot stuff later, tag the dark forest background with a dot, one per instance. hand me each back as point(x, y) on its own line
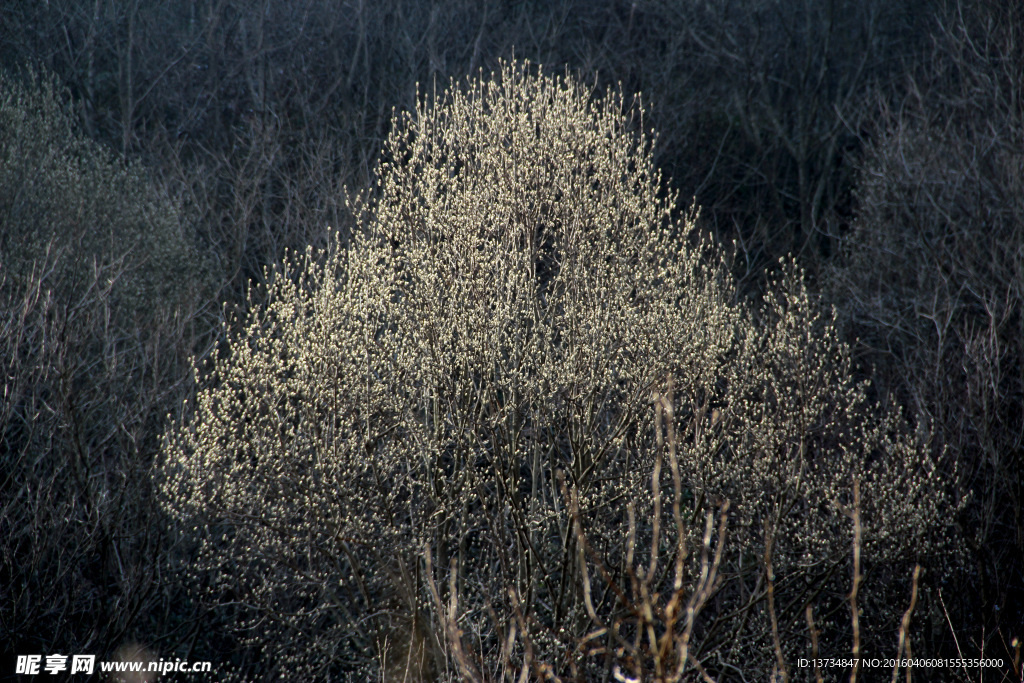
point(156, 158)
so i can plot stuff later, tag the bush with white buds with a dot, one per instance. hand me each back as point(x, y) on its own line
point(371, 473)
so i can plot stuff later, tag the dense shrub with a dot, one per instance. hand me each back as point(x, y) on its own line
point(408, 458)
point(98, 287)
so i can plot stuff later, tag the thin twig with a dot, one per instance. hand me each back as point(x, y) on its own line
point(814, 642)
point(956, 640)
point(770, 576)
point(854, 611)
point(904, 643)
point(448, 617)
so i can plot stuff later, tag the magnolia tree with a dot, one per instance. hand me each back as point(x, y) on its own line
point(508, 427)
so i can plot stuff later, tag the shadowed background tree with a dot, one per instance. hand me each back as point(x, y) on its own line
point(265, 108)
point(100, 289)
point(941, 317)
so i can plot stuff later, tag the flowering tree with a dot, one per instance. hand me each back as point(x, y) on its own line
point(421, 444)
